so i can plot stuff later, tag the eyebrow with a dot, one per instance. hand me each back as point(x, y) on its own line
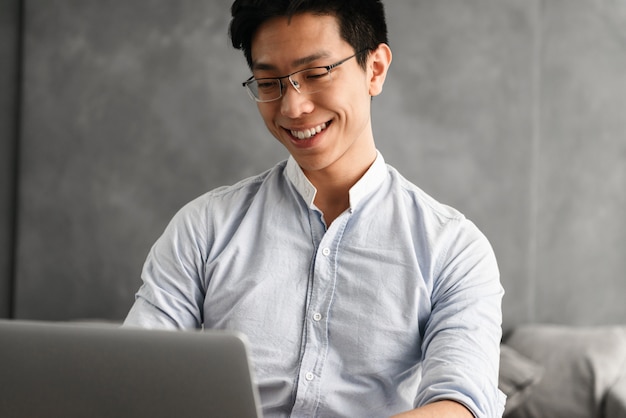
point(260, 66)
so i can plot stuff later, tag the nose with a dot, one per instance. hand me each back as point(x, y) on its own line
point(293, 103)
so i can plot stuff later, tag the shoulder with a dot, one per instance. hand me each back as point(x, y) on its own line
point(443, 228)
point(421, 201)
point(222, 203)
point(239, 192)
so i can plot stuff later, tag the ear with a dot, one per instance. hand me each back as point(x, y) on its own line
point(378, 64)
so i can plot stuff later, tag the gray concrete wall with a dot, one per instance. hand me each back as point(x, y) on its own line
point(509, 110)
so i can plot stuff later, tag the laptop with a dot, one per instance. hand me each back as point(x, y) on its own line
point(79, 370)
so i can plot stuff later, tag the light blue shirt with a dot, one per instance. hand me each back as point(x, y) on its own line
point(396, 304)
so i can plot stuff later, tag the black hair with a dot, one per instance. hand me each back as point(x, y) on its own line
point(361, 22)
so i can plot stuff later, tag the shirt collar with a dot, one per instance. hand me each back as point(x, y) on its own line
point(372, 178)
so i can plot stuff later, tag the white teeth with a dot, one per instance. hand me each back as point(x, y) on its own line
point(308, 133)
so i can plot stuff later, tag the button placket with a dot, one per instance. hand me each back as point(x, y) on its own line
point(316, 345)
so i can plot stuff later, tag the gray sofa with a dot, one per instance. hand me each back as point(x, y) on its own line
point(550, 371)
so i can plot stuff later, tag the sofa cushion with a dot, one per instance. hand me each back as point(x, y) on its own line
point(580, 365)
point(615, 405)
point(518, 376)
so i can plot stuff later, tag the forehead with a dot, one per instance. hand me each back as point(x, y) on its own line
point(281, 40)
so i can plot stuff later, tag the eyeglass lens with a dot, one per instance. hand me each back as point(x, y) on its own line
point(306, 81)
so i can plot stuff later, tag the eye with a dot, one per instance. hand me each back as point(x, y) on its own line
point(316, 74)
point(267, 84)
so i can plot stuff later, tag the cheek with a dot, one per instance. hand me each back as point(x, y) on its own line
point(355, 103)
point(345, 99)
point(267, 114)
point(263, 110)
point(357, 94)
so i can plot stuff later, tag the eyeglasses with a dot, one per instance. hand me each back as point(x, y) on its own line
point(307, 81)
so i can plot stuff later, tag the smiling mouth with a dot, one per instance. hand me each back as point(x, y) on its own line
point(309, 133)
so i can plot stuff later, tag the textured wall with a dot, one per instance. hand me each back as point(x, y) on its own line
point(580, 186)
point(509, 110)
point(456, 118)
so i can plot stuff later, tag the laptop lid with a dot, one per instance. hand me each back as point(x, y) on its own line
point(68, 370)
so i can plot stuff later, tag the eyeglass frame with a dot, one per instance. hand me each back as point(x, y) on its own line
point(282, 87)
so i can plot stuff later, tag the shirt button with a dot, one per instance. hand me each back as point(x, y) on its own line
point(309, 376)
point(326, 251)
point(317, 316)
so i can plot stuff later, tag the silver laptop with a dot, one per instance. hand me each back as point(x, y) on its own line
point(63, 370)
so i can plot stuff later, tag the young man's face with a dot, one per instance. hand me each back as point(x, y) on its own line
point(341, 112)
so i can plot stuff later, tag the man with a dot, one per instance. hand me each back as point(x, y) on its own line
point(361, 295)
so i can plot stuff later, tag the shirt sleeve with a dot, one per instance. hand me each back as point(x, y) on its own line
point(172, 292)
point(462, 337)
